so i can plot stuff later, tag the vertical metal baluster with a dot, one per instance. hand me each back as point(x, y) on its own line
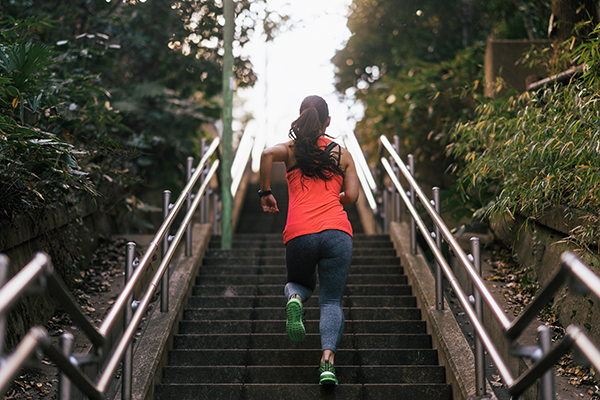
point(64, 384)
point(386, 209)
point(3, 280)
point(439, 296)
point(216, 214)
point(398, 205)
point(393, 194)
point(479, 350)
point(547, 380)
point(188, 231)
point(413, 225)
point(126, 380)
point(204, 203)
point(164, 295)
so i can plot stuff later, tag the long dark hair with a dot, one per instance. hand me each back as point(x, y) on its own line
point(305, 131)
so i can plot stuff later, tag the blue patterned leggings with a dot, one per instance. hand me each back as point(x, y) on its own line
point(331, 252)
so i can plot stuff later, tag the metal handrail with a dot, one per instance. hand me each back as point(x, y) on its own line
point(240, 161)
point(571, 269)
point(39, 273)
point(365, 177)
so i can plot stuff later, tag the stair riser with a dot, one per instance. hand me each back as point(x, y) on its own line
point(249, 260)
point(279, 301)
point(271, 290)
point(281, 341)
point(282, 279)
point(303, 392)
point(359, 327)
point(301, 374)
point(278, 244)
point(279, 252)
point(311, 313)
point(301, 356)
point(280, 270)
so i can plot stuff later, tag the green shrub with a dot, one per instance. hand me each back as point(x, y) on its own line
point(532, 153)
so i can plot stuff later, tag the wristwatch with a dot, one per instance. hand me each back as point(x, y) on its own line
point(263, 193)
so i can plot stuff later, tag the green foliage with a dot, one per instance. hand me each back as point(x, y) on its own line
point(421, 102)
point(387, 35)
point(533, 153)
point(37, 164)
point(99, 91)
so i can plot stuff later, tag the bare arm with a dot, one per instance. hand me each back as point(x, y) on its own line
point(350, 186)
point(277, 153)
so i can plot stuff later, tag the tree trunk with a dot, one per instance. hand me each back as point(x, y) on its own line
point(567, 13)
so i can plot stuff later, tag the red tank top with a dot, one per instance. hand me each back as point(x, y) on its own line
point(314, 204)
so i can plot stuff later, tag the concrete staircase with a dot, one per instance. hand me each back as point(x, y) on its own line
point(232, 342)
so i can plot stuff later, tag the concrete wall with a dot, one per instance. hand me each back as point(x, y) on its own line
point(68, 235)
point(539, 245)
point(502, 60)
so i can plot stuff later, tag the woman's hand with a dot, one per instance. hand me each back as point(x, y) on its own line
point(269, 204)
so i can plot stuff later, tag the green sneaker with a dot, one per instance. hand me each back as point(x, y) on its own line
point(327, 374)
point(294, 325)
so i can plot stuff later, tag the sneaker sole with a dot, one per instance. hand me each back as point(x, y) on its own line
point(328, 378)
point(294, 326)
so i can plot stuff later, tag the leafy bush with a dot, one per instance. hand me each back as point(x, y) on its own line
point(422, 102)
point(42, 118)
point(529, 154)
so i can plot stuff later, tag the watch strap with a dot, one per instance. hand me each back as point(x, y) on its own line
point(263, 193)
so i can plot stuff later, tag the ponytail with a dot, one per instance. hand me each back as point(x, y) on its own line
point(305, 131)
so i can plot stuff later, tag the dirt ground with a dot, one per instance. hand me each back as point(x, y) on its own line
point(513, 288)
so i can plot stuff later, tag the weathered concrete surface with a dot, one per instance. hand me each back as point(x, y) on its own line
point(151, 350)
point(454, 351)
point(539, 247)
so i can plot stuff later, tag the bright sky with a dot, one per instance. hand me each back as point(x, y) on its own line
point(295, 65)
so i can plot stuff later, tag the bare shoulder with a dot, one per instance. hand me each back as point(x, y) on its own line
point(346, 158)
point(279, 151)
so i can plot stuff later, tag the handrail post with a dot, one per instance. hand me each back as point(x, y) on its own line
point(386, 209)
point(3, 280)
point(479, 350)
point(393, 195)
point(439, 295)
point(204, 204)
point(398, 202)
point(126, 379)
point(547, 380)
point(413, 225)
point(164, 294)
point(216, 213)
point(67, 342)
point(188, 232)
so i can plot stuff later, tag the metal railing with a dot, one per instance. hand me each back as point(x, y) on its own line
point(240, 161)
point(39, 275)
point(571, 270)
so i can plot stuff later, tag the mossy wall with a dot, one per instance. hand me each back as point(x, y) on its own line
point(68, 235)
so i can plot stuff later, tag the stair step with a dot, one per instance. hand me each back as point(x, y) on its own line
point(279, 301)
point(311, 313)
point(280, 260)
point(270, 290)
point(278, 244)
point(282, 279)
point(275, 326)
point(310, 391)
point(300, 356)
point(280, 252)
point(280, 269)
point(313, 340)
point(302, 374)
